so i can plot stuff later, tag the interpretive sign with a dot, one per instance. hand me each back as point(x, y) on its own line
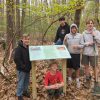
point(48, 52)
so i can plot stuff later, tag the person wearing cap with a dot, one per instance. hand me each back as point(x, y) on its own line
point(72, 41)
point(53, 81)
point(62, 30)
point(90, 40)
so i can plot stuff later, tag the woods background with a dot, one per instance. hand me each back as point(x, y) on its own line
point(39, 18)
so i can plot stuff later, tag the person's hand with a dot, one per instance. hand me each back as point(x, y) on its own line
point(53, 86)
point(75, 46)
point(93, 33)
point(89, 43)
point(57, 86)
point(53, 43)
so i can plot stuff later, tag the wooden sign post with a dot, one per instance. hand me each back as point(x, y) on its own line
point(64, 70)
point(47, 53)
point(34, 90)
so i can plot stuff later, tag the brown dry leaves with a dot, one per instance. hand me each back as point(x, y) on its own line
point(8, 91)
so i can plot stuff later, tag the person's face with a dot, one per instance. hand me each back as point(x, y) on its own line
point(62, 22)
point(26, 40)
point(73, 30)
point(54, 67)
point(90, 25)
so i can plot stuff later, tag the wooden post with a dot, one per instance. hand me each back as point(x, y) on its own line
point(34, 90)
point(64, 69)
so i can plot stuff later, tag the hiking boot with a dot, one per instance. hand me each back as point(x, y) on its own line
point(20, 98)
point(87, 82)
point(26, 94)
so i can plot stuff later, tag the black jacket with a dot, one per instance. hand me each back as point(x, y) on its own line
point(61, 32)
point(21, 58)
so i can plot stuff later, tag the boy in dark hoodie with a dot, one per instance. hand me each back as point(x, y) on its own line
point(23, 66)
point(63, 29)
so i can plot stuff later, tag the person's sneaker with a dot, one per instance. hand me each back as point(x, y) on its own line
point(78, 84)
point(69, 80)
point(88, 78)
point(26, 94)
point(62, 95)
point(20, 98)
point(87, 82)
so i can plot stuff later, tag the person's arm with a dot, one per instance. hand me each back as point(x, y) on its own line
point(68, 28)
point(83, 42)
point(46, 83)
point(61, 84)
point(55, 86)
point(65, 40)
point(80, 46)
point(96, 36)
point(57, 36)
point(18, 58)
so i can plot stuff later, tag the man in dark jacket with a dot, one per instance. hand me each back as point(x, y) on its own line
point(63, 29)
point(23, 66)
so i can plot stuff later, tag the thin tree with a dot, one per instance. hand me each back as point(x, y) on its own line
point(10, 22)
point(18, 18)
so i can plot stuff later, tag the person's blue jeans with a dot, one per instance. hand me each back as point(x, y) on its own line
point(59, 42)
point(23, 82)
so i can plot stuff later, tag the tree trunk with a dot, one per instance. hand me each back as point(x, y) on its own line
point(23, 16)
point(1, 9)
point(1, 13)
point(10, 23)
point(63, 1)
point(97, 13)
point(77, 17)
point(18, 19)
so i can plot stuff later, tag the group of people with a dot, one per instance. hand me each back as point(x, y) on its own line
point(83, 49)
point(75, 42)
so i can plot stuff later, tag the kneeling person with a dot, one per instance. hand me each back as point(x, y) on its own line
point(54, 81)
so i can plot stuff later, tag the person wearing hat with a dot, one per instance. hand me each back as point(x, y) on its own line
point(72, 41)
point(62, 30)
point(53, 81)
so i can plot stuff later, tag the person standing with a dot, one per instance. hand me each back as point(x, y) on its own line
point(62, 30)
point(23, 66)
point(72, 41)
point(90, 40)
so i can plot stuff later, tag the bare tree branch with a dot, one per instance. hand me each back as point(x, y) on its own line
point(5, 77)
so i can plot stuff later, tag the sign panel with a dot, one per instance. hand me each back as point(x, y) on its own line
point(48, 52)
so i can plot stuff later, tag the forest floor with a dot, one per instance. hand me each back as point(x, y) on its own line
point(8, 90)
